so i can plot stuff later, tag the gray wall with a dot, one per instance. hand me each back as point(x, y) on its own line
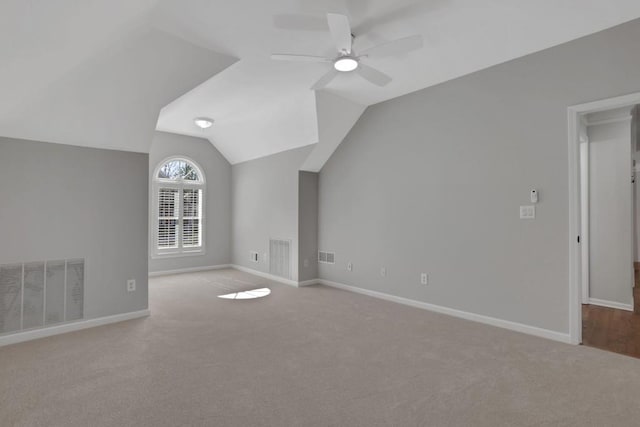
point(610, 221)
point(432, 181)
point(307, 226)
point(217, 199)
point(265, 205)
point(60, 201)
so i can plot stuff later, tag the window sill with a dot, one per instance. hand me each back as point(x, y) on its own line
point(200, 252)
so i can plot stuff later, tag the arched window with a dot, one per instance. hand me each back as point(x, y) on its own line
point(178, 188)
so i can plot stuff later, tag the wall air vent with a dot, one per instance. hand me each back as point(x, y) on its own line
point(326, 257)
point(280, 258)
point(38, 294)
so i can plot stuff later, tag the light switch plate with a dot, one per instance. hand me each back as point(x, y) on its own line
point(424, 278)
point(527, 212)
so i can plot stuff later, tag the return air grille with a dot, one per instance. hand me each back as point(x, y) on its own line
point(326, 257)
point(280, 258)
point(38, 294)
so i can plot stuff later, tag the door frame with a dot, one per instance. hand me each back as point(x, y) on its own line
point(574, 114)
point(584, 148)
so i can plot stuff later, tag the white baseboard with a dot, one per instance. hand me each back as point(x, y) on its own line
point(236, 267)
point(308, 282)
point(506, 324)
point(610, 304)
point(188, 270)
point(265, 275)
point(70, 327)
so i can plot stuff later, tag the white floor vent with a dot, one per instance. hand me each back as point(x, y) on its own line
point(38, 294)
point(280, 258)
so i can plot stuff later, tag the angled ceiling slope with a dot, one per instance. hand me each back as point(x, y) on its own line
point(336, 117)
point(92, 76)
point(261, 108)
point(97, 73)
point(255, 115)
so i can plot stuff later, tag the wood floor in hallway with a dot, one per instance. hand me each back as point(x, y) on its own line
point(611, 329)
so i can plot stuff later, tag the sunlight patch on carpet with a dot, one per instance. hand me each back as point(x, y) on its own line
point(254, 293)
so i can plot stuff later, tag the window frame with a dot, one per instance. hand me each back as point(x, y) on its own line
point(180, 185)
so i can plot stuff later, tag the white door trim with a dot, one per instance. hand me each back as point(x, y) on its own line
point(584, 147)
point(575, 253)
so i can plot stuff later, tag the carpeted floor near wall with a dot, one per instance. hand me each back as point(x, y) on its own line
point(313, 356)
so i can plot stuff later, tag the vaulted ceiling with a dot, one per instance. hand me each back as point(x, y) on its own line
point(92, 73)
point(106, 73)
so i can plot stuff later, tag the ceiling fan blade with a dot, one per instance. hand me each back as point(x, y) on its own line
point(374, 76)
point(298, 58)
point(395, 47)
point(340, 31)
point(300, 22)
point(325, 80)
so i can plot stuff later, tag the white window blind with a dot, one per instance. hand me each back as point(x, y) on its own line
point(191, 217)
point(168, 202)
point(179, 192)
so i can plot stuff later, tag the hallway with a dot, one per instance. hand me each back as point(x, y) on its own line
point(611, 329)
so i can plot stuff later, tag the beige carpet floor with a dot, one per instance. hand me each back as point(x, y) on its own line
point(314, 356)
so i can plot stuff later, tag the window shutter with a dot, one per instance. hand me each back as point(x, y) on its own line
point(168, 203)
point(179, 194)
point(191, 218)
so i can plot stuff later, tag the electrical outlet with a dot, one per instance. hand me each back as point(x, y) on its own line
point(131, 285)
point(383, 271)
point(424, 278)
point(349, 266)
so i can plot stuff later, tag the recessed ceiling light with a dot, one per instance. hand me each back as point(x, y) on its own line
point(345, 64)
point(203, 122)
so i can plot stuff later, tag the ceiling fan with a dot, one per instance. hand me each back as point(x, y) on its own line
point(347, 60)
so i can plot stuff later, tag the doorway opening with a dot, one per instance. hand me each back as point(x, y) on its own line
point(605, 203)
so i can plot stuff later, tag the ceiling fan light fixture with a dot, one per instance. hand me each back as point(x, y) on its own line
point(203, 122)
point(345, 64)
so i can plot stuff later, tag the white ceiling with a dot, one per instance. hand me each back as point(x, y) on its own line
point(255, 114)
point(52, 57)
point(262, 106)
point(92, 74)
point(336, 116)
